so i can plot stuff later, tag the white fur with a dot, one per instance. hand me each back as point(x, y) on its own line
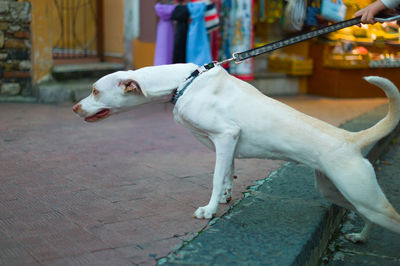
point(235, 120)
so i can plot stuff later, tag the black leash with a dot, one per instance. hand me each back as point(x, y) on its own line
point(238, 57)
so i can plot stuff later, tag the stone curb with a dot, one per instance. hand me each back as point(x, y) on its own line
point(282, 221)
point(17, 99)
point(65, 91)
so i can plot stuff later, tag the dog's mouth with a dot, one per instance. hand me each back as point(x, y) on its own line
point(98, 116)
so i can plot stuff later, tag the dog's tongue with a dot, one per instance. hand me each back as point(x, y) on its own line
point(97, 116)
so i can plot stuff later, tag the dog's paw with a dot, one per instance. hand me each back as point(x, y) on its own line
point(204, 213)
point(355, 238)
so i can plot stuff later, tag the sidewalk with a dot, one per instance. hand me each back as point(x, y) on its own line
point(118, 192)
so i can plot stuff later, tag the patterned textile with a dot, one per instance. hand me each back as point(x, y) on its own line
point(211, 16)
point(237, 34)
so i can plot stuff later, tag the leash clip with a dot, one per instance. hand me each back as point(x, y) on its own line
point(236, 58)
point(233, 58)
point(224, 61)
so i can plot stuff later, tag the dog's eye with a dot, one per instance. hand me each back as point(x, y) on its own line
point(95, 92)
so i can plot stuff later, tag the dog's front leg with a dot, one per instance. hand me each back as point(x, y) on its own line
point(228, 183)
point(225, 145)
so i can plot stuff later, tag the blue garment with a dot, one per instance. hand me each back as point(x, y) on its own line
point(198, 49)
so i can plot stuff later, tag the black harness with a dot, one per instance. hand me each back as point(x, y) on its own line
point(178, 93)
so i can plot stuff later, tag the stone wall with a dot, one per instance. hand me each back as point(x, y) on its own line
point(15, 46)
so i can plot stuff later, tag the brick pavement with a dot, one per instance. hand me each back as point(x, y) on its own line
point(118, 192)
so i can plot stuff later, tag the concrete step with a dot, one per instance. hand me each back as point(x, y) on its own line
point(85, 71)
point(273, 83)
point(18, 99)
point(56, 91)
point(73, 82)
point(276, 84)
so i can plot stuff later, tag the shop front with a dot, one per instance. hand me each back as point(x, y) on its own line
point(334, 64)
point(343, 58)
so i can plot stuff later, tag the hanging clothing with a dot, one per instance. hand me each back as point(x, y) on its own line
point(238, 35)
point(214, 43)
point(214, 35)
point(211, 16)
point(165, 35)
point(198, 47)
point(181, 16)
point(224, 47)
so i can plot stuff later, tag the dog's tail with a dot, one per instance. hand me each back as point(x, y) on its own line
point(389, 122)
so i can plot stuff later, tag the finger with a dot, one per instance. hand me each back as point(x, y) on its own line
point(370, 18)
point(364, 18)
point(359, 13)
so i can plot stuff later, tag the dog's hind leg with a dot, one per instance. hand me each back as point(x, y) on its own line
point(363, 235)
point(328, 190)
point(356, 181)
point(225, 146)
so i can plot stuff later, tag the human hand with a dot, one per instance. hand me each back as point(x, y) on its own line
point(367, 14)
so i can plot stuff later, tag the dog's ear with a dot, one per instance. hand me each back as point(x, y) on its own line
point(131, 86)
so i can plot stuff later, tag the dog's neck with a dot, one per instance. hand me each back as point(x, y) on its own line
point(161, 81)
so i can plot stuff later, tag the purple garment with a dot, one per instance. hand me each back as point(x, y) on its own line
point(165, 35)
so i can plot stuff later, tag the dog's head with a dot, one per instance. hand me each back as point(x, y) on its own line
point(123, 90)
point(111, 94)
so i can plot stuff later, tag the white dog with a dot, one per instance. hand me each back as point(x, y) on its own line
point(237, 121)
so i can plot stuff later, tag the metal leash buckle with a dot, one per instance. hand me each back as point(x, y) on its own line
point(236, 59)
point(224, 61)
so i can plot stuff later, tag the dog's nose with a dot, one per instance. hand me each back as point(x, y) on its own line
point(77, 107)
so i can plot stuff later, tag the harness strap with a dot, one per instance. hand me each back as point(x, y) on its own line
point(179, 92)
